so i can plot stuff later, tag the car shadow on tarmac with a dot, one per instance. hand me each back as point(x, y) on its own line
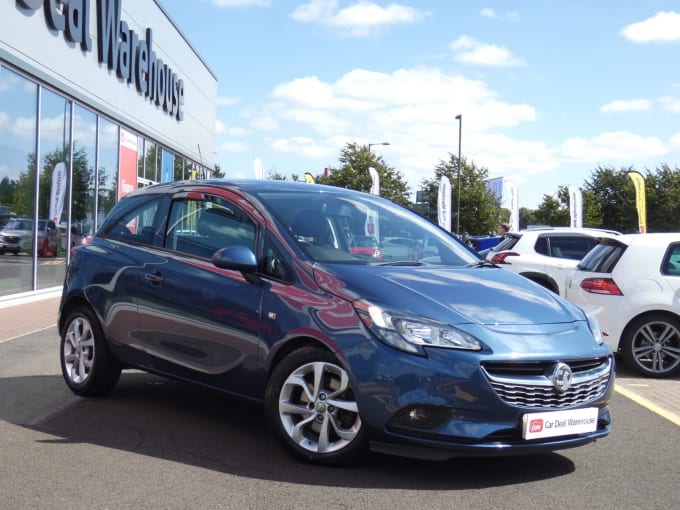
point(183, 423)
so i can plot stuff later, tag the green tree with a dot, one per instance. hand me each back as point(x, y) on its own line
point(480, 212)
point(526, 217)
point(353, 173)
point(662, 190)
point(8, 188)
point(217, 173)
point(613, 199)
point(551, 211)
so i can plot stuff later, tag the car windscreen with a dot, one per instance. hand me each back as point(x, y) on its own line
point(602, 257)
point(326, 225)
point(507, 243)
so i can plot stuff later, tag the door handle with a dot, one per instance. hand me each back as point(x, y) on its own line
point(154, 278)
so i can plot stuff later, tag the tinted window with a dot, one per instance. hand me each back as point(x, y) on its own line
point(137, 225)
point(203, 226)
point(507, 243)
point(273, 264)
point(602, 258)
point(671, 263)
point(570, 247)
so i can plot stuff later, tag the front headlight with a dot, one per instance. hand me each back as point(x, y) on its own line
point(410, 334)
point(594, 327)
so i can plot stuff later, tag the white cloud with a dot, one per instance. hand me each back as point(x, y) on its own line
point(413, 109)
point(232, 146)
point(629, 105)
point(492, 14)
point(664, 26)
point(614, 147)
point(671, 104)
point(227, 101)
point(470, 51)
point(219, 127)
point(240, 3)
point(361, 19)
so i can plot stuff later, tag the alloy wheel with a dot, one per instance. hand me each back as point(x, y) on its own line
point(317, 408)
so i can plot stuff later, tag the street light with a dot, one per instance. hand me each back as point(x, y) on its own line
point(459, 118)
point(373, 144)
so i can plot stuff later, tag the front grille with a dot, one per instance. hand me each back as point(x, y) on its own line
point(529, 384)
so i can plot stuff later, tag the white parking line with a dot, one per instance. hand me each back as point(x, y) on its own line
point(3, 340)
point(674, 418)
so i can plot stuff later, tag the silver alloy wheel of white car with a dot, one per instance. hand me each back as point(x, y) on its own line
point(78, 350)
point(652, 346)
point(317, 408)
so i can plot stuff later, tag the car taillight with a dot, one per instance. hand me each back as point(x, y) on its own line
point(499, 258)
point(601, 286)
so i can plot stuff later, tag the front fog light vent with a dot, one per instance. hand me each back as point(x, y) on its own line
point(422, 418)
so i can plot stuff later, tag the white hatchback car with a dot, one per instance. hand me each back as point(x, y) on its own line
point(547, 255)
point(632, 286)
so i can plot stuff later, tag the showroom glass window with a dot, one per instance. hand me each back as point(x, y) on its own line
point(107, 175)
point(83, 182)
point(18, 116)
point(53, 167)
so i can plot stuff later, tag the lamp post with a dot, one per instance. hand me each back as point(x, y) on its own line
point(459, 117)
point(372, 144)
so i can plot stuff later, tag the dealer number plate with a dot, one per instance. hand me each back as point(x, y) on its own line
point(559, 423)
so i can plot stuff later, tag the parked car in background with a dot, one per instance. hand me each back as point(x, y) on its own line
point(17, 236)
point(482, 244)
point(546, 256)
point(250, 287)
point(632, 283)
point(364, 245)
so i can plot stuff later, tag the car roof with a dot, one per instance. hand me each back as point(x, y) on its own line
point(242, 185)
point(569, 230)
point(655, 238)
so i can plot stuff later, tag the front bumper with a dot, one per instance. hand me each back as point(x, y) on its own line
point(456, 409)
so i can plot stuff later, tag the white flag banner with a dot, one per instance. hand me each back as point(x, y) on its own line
point(513, 204)
point(258, 168)
point(375, 181)
point(576, 206)
point(57, 192)
point(444, 204)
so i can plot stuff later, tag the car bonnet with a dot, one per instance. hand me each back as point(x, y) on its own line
point(481, 295)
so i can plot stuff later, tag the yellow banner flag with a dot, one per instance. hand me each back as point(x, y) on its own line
point(639, 183)
point(309, 178)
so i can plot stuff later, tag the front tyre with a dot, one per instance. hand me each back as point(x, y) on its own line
point(651, 345)
point(311, 408)
point(86, 364)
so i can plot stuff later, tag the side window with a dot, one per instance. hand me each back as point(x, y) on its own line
point(573, 248)
point(541, 246)
point(137, 226)
point(201, 226)
point(272, 262)
point(671, 264)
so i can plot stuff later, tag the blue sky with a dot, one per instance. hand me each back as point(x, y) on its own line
point(548, 90)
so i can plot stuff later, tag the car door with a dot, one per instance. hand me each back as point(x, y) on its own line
point(198, 321)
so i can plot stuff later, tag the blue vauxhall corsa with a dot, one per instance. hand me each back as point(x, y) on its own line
point(251, 288)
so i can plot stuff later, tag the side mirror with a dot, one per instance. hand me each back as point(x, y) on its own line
point(237, 258)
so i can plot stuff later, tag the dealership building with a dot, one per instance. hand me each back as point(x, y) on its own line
point(97, 98)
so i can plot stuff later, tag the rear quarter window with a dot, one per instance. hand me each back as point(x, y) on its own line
point(602, 258)
point(671, 262)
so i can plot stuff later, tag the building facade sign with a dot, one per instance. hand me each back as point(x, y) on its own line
point(120, 48)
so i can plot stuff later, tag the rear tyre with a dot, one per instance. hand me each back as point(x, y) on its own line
point(650, 345)
point(86, 364)
point(311, 409)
